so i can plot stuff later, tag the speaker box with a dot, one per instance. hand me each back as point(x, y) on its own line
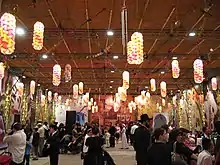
point(70, 120)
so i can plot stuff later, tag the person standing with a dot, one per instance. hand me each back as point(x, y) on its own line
point(133, 129)
point(41, 131)
point(16, 140)
point(142, 140)
point(28, 148)
point(35, 143)
point(112, 131)
point(124, 137)
point(205, 157)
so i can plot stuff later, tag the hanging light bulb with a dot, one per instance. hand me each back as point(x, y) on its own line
point(163, 89)
point(38, 36)
point(56, 75)
point(2, 70)
point(81, 88)
point(153, 85)
point(20, 88)
point(32, 87)
point(214, 83)
point(67, 73)
point(49, 96)
point(198, 71)
point(175, 69)
point(75, 91)
point(125, 77)
point(43, 100)
point(7, 32)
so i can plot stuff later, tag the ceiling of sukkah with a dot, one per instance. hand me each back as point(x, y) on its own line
point(75, 31)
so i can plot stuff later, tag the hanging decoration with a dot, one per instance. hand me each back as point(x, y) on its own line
point(124, 27)
point(125, 78)
point(59, 100)
point(56, 75)
point(89, 105)
point(163, 102)
point(7, 32)
point(148, 97)
point(175, 69)
point(198, 71)
point(214, 83)
point(81, 88)
point(153, 85)
point(38, 36)
point(67, 73)
point(75, 91)
point(2, 70)
point(122, 93)
point(49, 96)
point(20, 88)
point(163, 89)
point(32, 87)
point(55, 97)
point(131, 106)
point(43, 100)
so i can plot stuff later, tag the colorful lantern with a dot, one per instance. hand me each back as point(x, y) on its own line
point(75, 91)
point(125, 77)
point(122, 93)
point(198, 71)
point(67, 73)
point(32, 87)
point(163, 89)
point(38, 36)
point(175, 69)
point(43, 100)
point(56, 75)
point(214, 83)
point(49, 96)
point(2, 70)
point(7, 32)
point(80, 88)
point(153, 85)
point(20, 88)
point(135, 53)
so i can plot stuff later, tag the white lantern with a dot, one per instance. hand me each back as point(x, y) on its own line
point(125, 77)
point(163, 102)
point(43, 100)
point(56, 75)
point(198, 71)
point(32, 87)
point(89, 105)
point(163, 88)
point(49, 96)
point(67, 73)
point(80, 88)
point(75, 91)
point(148, 96)
point(20, 88)
point(59, 99)
point(2, 70)
point(175, 69)
point(214, 83)
point(153, 85)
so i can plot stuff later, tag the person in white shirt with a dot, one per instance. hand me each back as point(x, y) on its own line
point(205, 158)
point(41, 132)
point(88, 134)
point(16, 140)
point(133, 128)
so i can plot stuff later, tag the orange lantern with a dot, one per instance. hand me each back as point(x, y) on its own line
point(2, 70)
point(153, 85)
point(8, 26)
point(81, 88)
point(20, 88)
point(56, 75)
point(49, 96)
point(198, 71)
point(38, 36)
point(175, 69)
point(163, 89)
point(75, 91)
point(43, 100)
point(67, 73)
point(125, 77)
point(32, 87)
point(214, 83)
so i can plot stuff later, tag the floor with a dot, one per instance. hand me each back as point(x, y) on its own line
point(120, 157)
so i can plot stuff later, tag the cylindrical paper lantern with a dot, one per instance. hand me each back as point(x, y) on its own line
point(43, 100)
point(80, 88)
point(56, 75)
point(153, 85)
point(49, 96)
point(20, 88)
point(174, 100)
point(122, 93)
point(38, 36)
point(32, 87)
point(198, 71)
point(125, 77)
point(163, 89)
point(75, 91)
point(148, 96)
point(175, 69)
point(67, 73)
point(2, 70)
point(8, 26)
point(214, 83)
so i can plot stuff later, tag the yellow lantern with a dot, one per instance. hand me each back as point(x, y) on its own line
point(163, 89)
point(125, 77)
point(153, 85)
point(175, 69)
point(20, 88)
point(2, 70)
point(75, 91)
point(43, 100)
point(122, 93)
point(32, 87)
point(198, 71)
point(49, 96)
point(7, 38)
point(56, 75)
point(214, 83)
point(38, 36)
point(80, 88)
point(67, 73)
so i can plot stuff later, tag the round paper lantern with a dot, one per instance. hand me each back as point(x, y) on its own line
point(49, 96)
point(214, 83)
point(20, 88)
point(32, 87)
point(38, 36)
point(175, 69)
point(125, 77)
point(8, 26)
point(80, 88)
point(75, 91)
point(43, 100)
point(67, 73)
point(163, 89)
point(122, 93)
point(2, 70)
point(153, 85)
point(56, 75)
point(198, 71)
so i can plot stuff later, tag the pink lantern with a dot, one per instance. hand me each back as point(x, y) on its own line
point(32, 87)
point(163, 89)
point(56, 75)
point(153, 85)
point(125, 77)
point(198, 71)
point(49, 96)
point(2, 70)
point(75, 91)
point(175, 69)
point(67, 73)
point(38, 36)
point(81, 88)
point(214, 83)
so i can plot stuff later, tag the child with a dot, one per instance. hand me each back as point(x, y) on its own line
point(107, 137)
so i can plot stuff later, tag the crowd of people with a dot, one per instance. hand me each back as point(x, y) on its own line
point(159, 146)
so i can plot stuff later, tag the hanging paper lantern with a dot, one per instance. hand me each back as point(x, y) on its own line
point(93, 109)
point(8, 26)
point(75, 91)
point(163, 89)
point(59, 100)
point(148, 96)
point(38, 36)
point(135, 53)
point(214, 83)
point(67, 73)
point(49, 96)
point(174, 100)
point(32, 87)
point(125, 77)
point(131, 106)
point(89, 105)
point(20, 88)
point(56, 75)
point(116, 107)
point(163, 102)
point(55, 97)
point(122, 93)
point(2, 70)
point(175, 69)
point(153, 85)
point(80, 88)
point(43, 100)
point(198, 71)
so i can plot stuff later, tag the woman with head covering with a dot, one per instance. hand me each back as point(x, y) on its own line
point(123, 137)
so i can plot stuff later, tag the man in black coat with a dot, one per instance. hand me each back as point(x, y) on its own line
point(112, 131)
point(142, 140)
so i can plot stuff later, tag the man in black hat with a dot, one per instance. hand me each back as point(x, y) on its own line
point(142, 140)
